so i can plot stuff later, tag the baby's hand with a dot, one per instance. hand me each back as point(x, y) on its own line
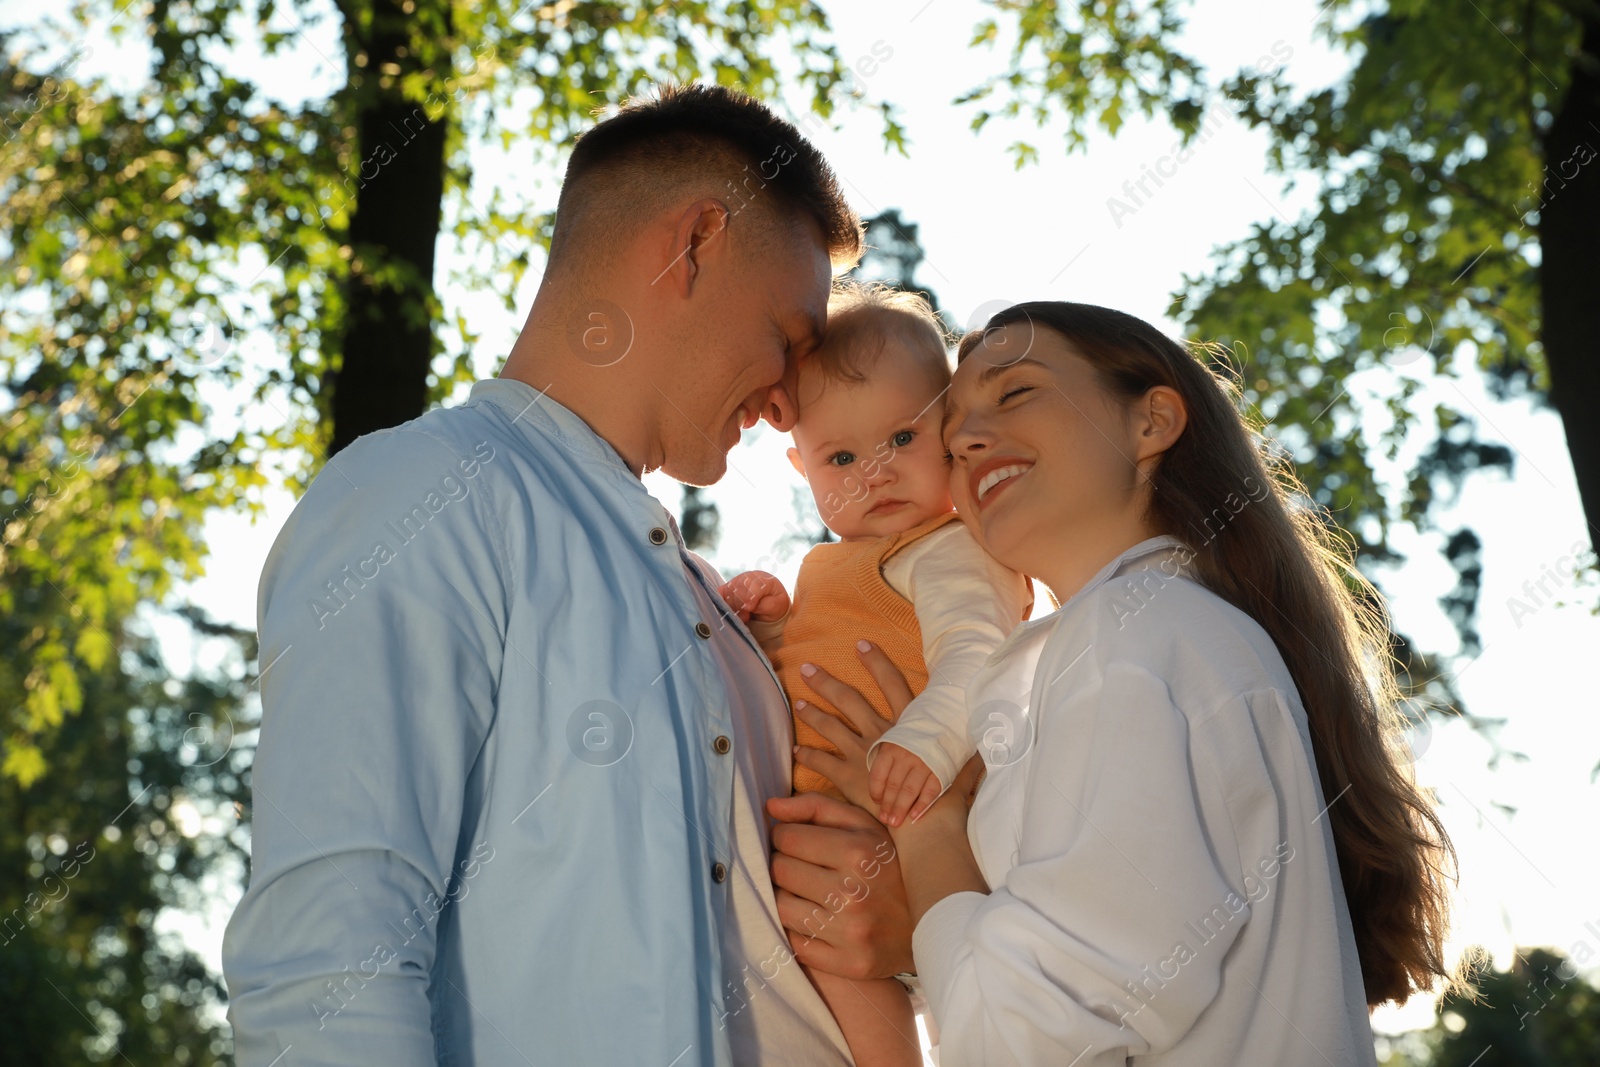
point(899, 781)
point(756, 595)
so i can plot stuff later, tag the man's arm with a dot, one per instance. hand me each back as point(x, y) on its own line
point(839, 891)
point(382, 610)
point(835, 868)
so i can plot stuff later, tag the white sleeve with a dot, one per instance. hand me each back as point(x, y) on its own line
point(1087, 953)
point(967, 602)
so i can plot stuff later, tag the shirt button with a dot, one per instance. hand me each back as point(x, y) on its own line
point(721, 746)
point(658, 536)
point(702, 630)
point(719, 873)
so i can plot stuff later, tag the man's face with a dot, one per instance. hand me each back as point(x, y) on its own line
point(755, 313)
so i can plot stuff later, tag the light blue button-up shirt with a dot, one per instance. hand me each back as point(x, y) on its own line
point(495, 806)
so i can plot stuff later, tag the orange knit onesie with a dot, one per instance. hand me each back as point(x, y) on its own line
point(839, 597)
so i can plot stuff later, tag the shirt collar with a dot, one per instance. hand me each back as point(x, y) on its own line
point(542, 417)
point(1141, 556)
point(1147, 553)
point(537, 410)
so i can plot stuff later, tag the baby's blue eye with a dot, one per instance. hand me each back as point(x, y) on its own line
point(903, 438)
point(842, 459)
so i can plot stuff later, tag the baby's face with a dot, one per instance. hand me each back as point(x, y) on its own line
point(871, 450)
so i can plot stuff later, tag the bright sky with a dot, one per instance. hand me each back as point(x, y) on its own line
point(995, 234)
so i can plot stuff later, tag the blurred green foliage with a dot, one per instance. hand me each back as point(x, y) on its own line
point(177, 279)
point(1540, 1012)
point(1439, 164)
point(181, 277)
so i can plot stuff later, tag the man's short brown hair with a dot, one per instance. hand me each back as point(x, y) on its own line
point(698, 138)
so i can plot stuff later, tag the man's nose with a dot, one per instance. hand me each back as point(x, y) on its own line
point(780, 409)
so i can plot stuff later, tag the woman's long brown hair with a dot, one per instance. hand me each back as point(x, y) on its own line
point(1279, 562)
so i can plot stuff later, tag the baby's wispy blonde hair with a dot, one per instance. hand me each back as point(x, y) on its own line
point(862, 317)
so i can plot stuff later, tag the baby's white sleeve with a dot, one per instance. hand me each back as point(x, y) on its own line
point(967, 602)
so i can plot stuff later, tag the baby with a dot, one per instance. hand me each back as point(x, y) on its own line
point(905, 574)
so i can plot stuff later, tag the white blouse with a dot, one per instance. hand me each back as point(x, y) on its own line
point(1163, 887)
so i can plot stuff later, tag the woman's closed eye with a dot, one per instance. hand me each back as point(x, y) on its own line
point(1015, 390)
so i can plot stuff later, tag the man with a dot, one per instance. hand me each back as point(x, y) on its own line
point(507, 797)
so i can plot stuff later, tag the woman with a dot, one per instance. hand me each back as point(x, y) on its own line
point(1195, 843)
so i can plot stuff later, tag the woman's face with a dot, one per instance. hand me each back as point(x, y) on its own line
point(1045, 462)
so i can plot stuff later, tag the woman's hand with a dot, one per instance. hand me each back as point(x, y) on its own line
point(937, 859)
point(848, 770)
point(838, 888)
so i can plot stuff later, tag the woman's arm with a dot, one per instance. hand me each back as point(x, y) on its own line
point(825, 851)
point(935, 858)
point(1107, 937)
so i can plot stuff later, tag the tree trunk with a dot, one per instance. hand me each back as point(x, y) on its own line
point(1569, 272)
point(398, 190)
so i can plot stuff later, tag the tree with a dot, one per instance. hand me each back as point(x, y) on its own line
point(134, 814)
point(893, 254)
point(1540, 1012)
point(1456, 212)
point(148, 235)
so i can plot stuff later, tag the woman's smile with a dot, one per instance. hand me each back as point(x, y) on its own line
point(989, 478)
